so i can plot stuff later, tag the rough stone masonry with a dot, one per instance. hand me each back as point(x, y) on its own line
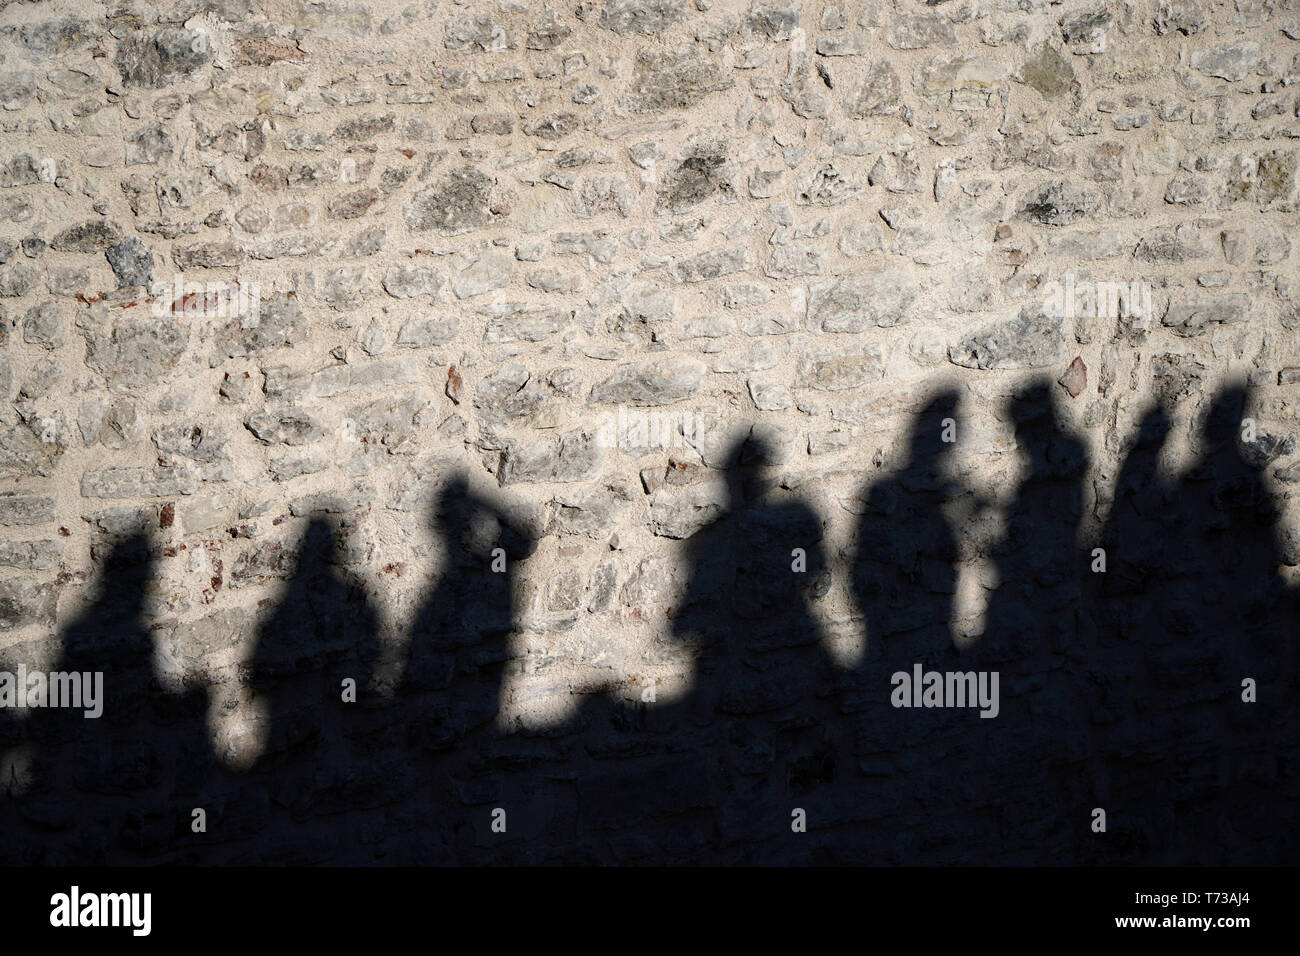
point(568, 251)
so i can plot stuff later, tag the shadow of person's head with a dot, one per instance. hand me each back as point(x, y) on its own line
point(1032, 409)
point(470, 527)
point(1224, 420)
point(933, 428)
point(748, 466)
point(112, 632)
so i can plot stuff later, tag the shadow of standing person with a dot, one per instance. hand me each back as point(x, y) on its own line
point(768, 677)
point(451, 689)
point(117, 788)
point(1125, 593)
point(322, 634)
point(1035, 753)
point(1191, 772)
point(715, 775)
point(904, 581)
point(1230, 618)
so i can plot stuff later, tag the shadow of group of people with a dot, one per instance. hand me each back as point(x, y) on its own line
point(1146, 672)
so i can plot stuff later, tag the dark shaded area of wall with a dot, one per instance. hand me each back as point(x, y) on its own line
point(1119, 690)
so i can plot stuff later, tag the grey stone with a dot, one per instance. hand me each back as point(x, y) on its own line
point(17, 89)
point(860, 238)
point(285, 426)
point(1227, 62)
point(132, 262)
point(744, 294)
point(1276, 176)
point(25, 508)
point(673, 78)
point(456, 205)
point(548, 34)
point(149, 144)
point(919, 31)
point(694, 180)
point(192, 439)
point(19, 280)
point(1059, 203)
point(1266, 447)
point(334, 19)
point(26, 603)
point(346, 287)
point(566, 458)
point(428, 329)
point(1086, 28)
point(711, 265)
point(604, 580)
point(769, 396)
point(794, 260)
point(564, 590)
point(162, 58)
point(858, 302)
point(44, 325)
point(643, 17)
point(852, 44)
point(90, 236)
point(680, 513)
point(1180, 244)
point(1033, 339)
point(773, 19)
point(208, 255)
point(262, 563)
point(836, 369)
point(805, 89)
point(657, 382)
point(555, 126)
point(408, 281)
point(964, 82)
point(1193, 318)
point(137, 482)
point(512, 392)
point(483, 33)
point(1185, 18)
point(654, 581)
point(352, 205)
point(194, 642)
point(23, 454)
point(648, 306)
point(22, 170)
point(132, 353)
point(826, 185)
point(770, 324)
point(591, 513)
point(279, 323)
point(30, 555)
point(489, 273)
point(879, 92)
point(113, 424)
point(394, 423)
point(603, 194)
point(1047, 71)
point(52, 37)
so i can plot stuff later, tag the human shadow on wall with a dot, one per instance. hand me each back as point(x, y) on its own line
point(311, 666)
point(451, 690)
point(1028, 766)
point(117, 789)
point(1189, 604)
point(903, 582)
point(1192, 604)
point(715, 775)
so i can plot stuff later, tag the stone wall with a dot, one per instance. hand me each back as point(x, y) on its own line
point(555, 259)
